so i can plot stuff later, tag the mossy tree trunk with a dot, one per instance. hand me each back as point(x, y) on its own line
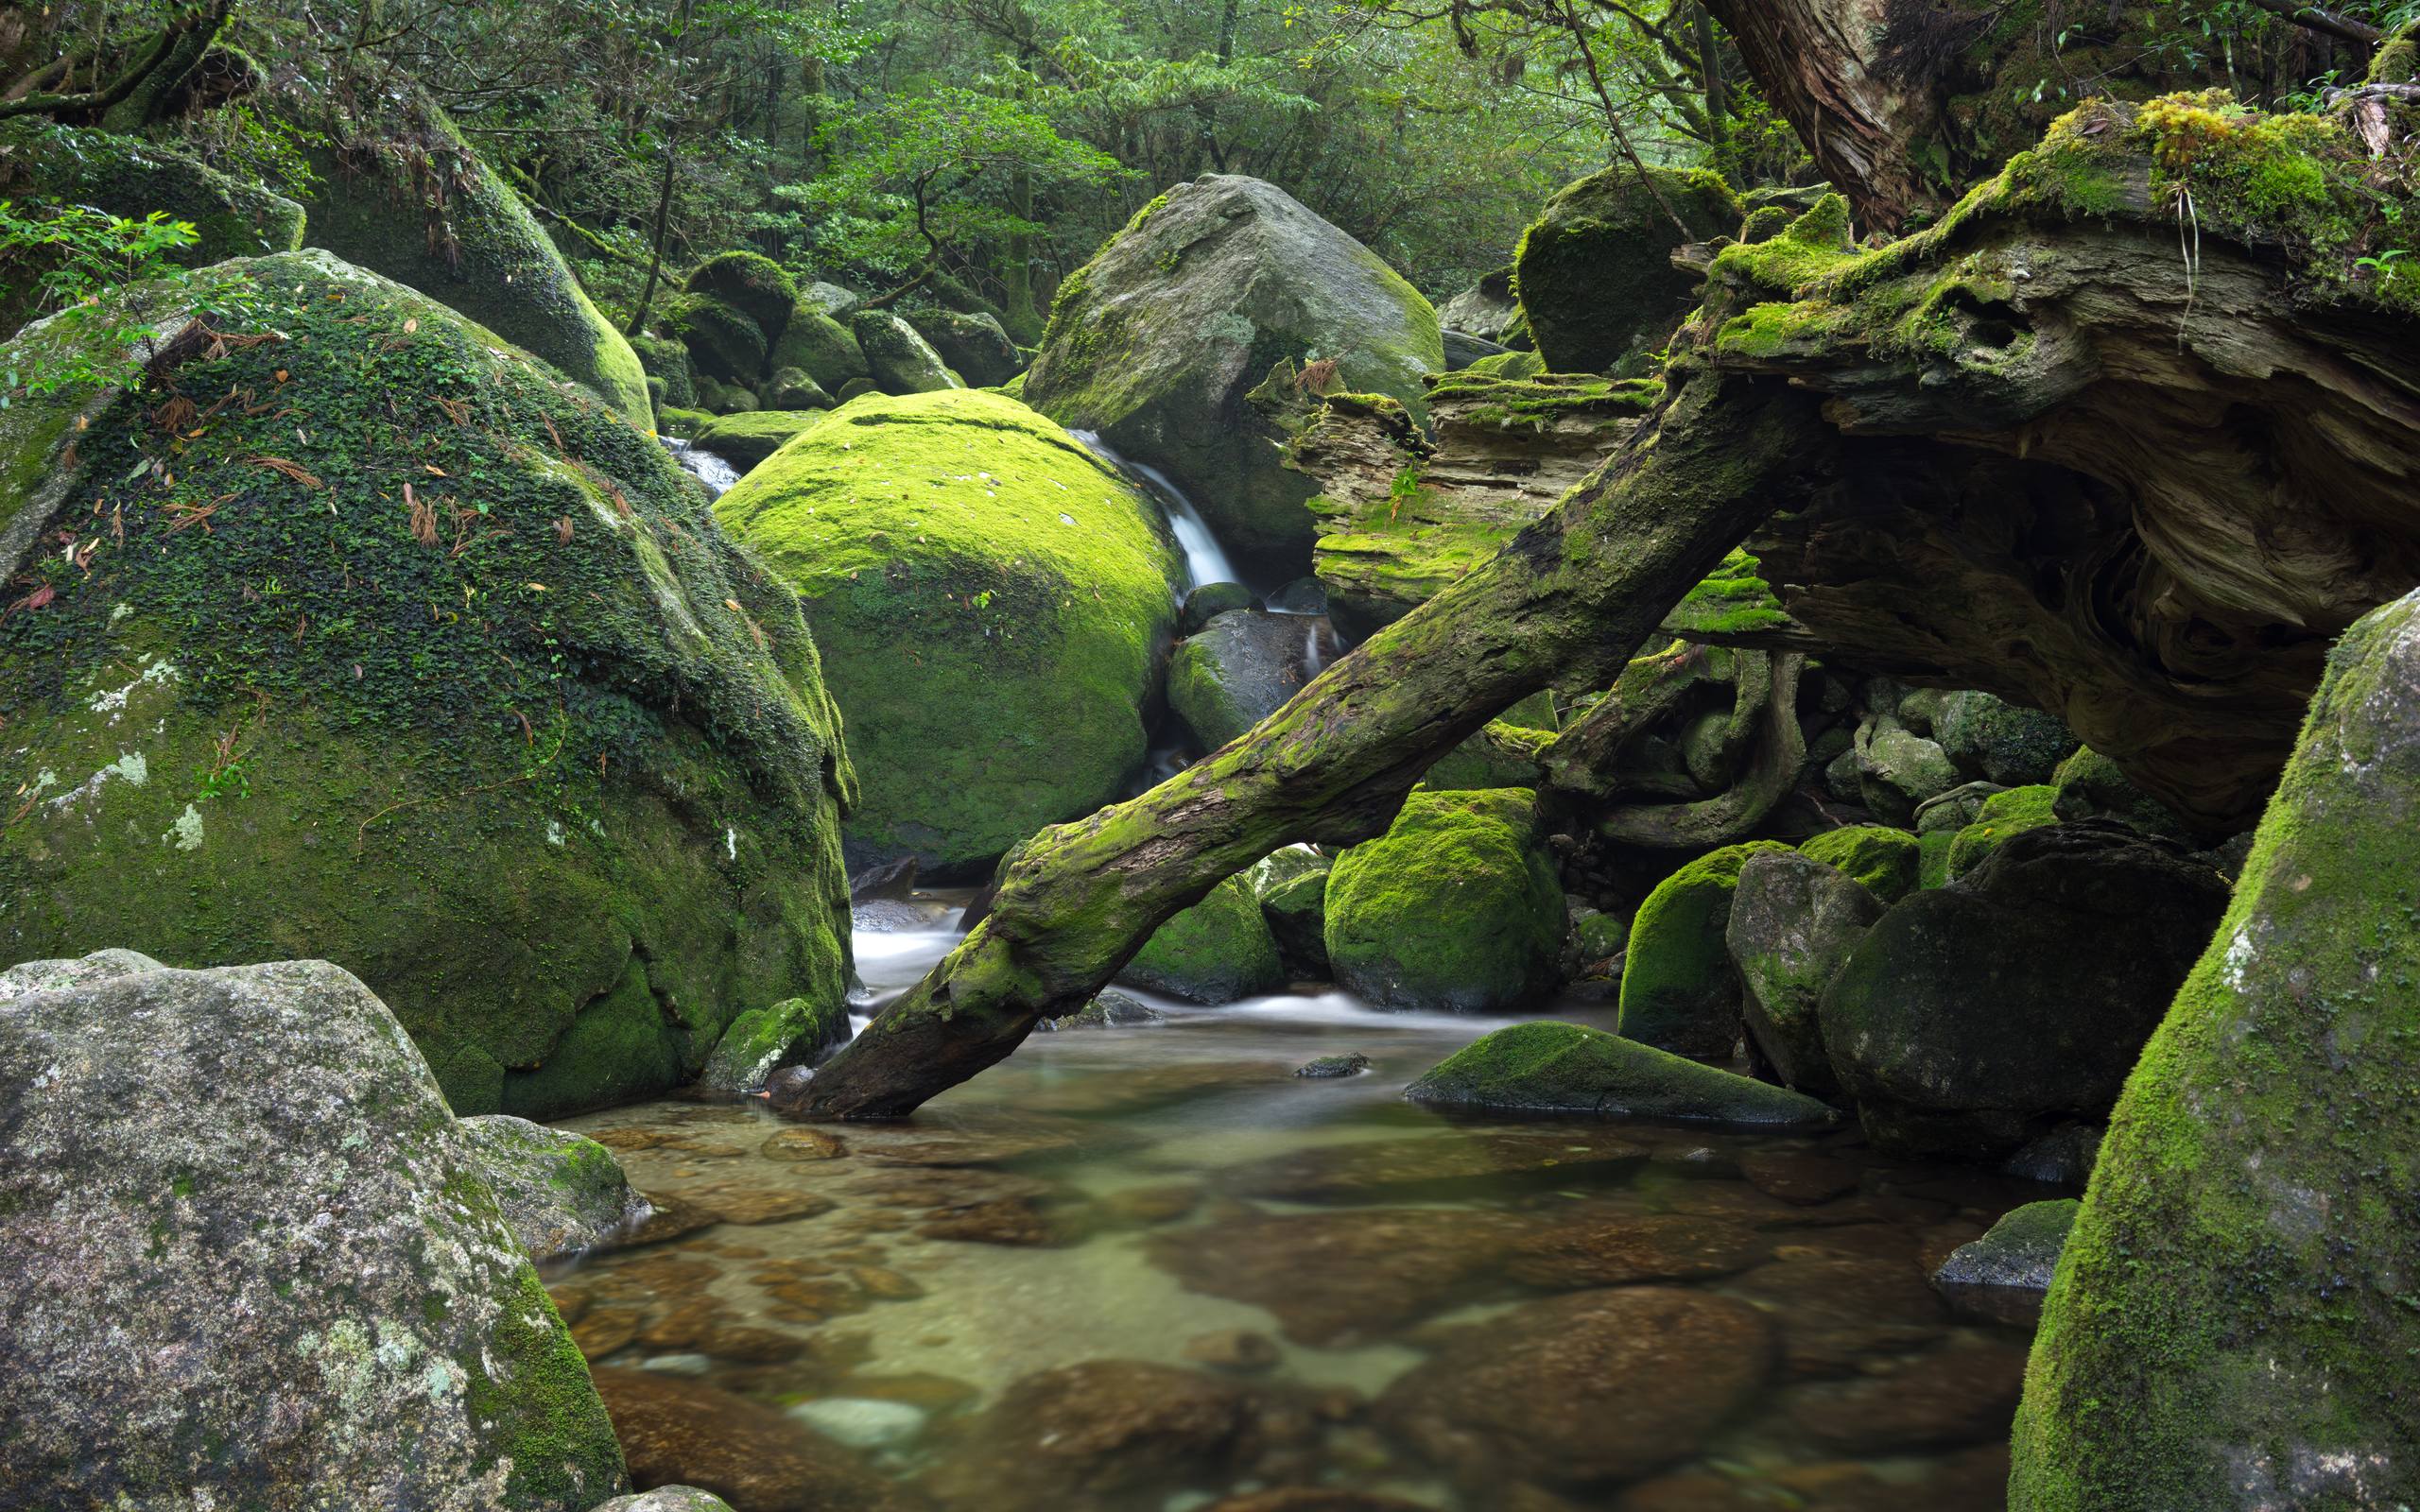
point(1574, 595)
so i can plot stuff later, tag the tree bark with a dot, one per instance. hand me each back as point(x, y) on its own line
point(1575, 595)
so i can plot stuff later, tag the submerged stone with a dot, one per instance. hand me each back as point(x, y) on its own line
point(1563, 1068)
point(183, 1149)
point(680, 1431)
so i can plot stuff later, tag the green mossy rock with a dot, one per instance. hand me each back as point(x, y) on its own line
point(820, 346)
point(1594, 273)
point(973, 346)
point(43, 164)
point(1242, 667)
point(484, 255)
point(1932, 857)
point(2091, 786)
point(1297, 914)
point(1218, 951)
point(724, 344)
point(1549, 1067)
point(1601, 936)
point(1156, 342)
point(1898, 770)
point(746, 438)
point(1887, 863)
point(1210, 600)
point(751, 283)
point(1501, 754)
point(684, 423)
point(1976, 1016)
point(666, 361)
point(2004, 813)
point(991, 602)
point(2000, 742)
point(2233, 1321)
point(1794, 923)
point(560, 1193)
point(794, 1032)
point(2019, 1255)
point(563, 787)
point(1455, 908)
point(902, 361)
point(250, 1173)
point(791, 388)
point(1679, 990)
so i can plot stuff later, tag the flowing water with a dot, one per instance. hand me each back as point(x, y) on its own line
point(1142, 1269)
point(709, 469)
point(1206, 561)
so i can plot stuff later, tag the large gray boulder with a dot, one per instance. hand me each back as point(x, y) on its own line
point(1156, 342)
point(1241, 667)
point(250, 1262)
point(1975, 1016)
point(1793, 921)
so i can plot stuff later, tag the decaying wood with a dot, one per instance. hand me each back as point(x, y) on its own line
point(1581, 590)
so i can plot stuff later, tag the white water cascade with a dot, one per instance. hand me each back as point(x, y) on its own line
point(1206, 561)
point(708, 468)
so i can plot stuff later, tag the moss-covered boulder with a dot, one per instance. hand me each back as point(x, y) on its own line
point(1595, 274)
point(1679, 989)
point(560, 1192)
point(2232, 1323)
point(252, 1259)
point(1157, 341)
point(1550, 1067)
point(749, 437)
point(1998, 741)
point(751, 283)
point(791, 388)
point(402, 192)
point(2004, 813)
point(724, 344)
point(1218, 951)
point(973, 346)
point(1296, 910)
point(2088, 785)
point(820, 347)
point(1977, 1015)
point(1898, 770)
point(1887, 863)
point(1241, 667)
point(902, 361)
point(793, 1032)
point(2005, 1274)
point(990, 601)
point(666, 362)
point(1794, 923)
point(1456, 907)
point(435, 669)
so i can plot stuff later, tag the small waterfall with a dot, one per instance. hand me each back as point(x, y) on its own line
point(1206, 561)
point(716, 474)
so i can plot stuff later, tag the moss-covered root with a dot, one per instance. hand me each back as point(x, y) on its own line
point(1575, 594)
point(2235, 1320)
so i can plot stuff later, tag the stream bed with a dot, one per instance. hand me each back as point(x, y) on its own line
point(1149, 1269)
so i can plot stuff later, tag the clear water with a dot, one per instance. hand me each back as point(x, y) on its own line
point(1206, 561)
point(1171, 1194)
point(716, 474)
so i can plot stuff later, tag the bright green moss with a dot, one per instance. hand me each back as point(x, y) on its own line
point(1218, 951)
point(1455, 907)
point(1733, 600)
point(747, 438)
point(2013, 812)
point(450, 767)
point(1887, 863)
point(1679, 990)
point(529, 1387)
point(990, 600)
point(1549, 1067)
point(820, 346)
point(1813, 246)
point(2234, 1318)
point(751, 283)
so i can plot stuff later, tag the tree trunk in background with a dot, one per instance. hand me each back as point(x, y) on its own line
point(1574, 595)
point(1825, 65)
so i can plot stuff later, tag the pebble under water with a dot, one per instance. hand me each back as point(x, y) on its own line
point(1149, 1269)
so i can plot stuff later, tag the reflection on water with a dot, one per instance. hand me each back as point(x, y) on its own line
point(1149, 1269)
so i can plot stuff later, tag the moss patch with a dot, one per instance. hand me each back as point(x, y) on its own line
point(1455, 907)
point(1885, 861)
point(1218, 951)
point(2004, 813)
point(1680, 991)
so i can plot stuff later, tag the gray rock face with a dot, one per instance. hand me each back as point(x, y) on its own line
point(1210, 600)
point(903, 362)
point(973, 345)
point(1793, 921)
point(668, 1499)
point(2004, 1274)
point(1486, 310)
point(1976, 1015)
point(1998, 741)
point(250, 1261)
point(1156, 342)
point(1897, 770)
point(560, 1193)
point(1241, 667)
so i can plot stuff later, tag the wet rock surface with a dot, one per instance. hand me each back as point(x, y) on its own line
point(682, 1432)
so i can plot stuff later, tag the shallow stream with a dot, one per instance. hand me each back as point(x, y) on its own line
point(1304, 1283)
